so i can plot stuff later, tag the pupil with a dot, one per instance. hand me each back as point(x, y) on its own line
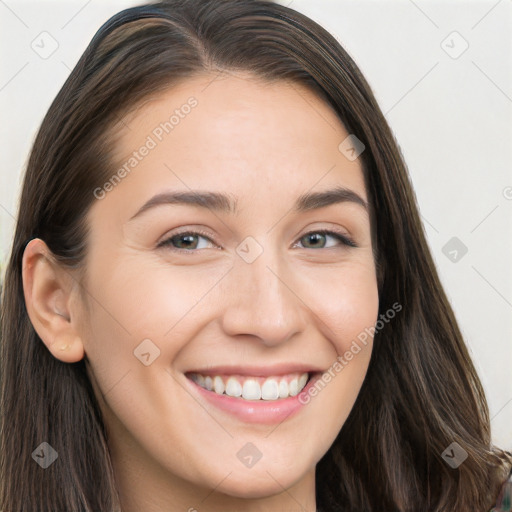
point(188, 239)
point(315, 237)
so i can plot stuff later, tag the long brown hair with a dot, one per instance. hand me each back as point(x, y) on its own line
point(421, 392)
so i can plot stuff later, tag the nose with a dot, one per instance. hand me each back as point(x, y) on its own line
point(263, 301)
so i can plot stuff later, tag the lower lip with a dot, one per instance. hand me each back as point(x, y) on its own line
point(257, 411)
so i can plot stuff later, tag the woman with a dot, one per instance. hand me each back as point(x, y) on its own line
point(173, 336)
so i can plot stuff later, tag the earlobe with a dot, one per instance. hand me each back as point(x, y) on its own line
point(47, 288)
point(68, 350)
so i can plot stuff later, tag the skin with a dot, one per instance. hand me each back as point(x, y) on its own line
point(300, 300)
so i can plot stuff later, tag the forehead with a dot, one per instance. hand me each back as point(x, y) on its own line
point(234, 132)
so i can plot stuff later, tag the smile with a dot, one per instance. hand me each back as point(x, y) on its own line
point(251, 387)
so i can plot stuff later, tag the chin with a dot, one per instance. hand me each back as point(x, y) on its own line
point(256, 487)
point(257, 483)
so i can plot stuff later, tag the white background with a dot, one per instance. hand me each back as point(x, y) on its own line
point(452, 118)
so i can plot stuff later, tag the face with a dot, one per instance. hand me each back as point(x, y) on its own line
point(253, 288)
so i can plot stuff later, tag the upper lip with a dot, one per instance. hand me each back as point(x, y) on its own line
point(257, 371)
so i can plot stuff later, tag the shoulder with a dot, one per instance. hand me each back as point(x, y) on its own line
point(504, 502)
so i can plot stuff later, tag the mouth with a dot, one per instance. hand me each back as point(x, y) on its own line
point(264, 395)
point(251, 387)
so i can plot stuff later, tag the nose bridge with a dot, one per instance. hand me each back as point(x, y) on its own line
point(263, 303)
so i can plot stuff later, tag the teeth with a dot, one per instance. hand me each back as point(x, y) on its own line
point(283, 389)
point(253, 388)
point(293, 387)
point(233, 387)
point(218, 385)
point(270, 390)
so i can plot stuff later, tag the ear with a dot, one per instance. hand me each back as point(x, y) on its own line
point(48, 289)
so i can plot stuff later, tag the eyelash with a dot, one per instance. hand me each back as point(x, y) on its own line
point(345, 240)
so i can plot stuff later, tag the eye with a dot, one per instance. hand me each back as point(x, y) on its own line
point(186, 241)
point(318, 238)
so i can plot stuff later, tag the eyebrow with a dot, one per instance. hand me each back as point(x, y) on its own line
point(221, 202)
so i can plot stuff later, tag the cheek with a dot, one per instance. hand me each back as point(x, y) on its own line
point(144, 298)
point(347, 310)
point(346, 302)
point(132, 300)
